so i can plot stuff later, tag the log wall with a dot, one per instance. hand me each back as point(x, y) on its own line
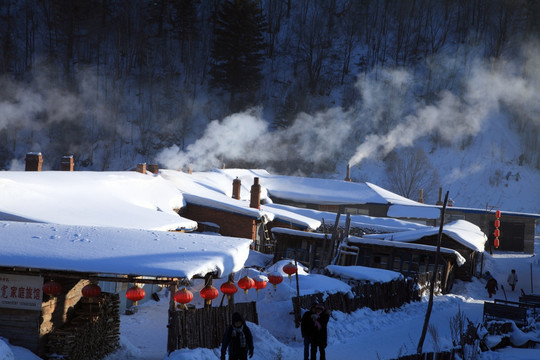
point(21, 327)
point(30, 329)
point(93, 332)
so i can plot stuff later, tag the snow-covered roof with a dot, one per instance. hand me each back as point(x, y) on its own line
point(368, 240)
point(305, 234)
point(363, 273)
point(462, 231)
point(120, 251)
point(333, 192)
point(363, 221)
point(492, 212)
point(125, 199)
point(214, 190)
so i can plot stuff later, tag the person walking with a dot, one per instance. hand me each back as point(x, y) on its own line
point(314, 331)
point(238, 339)
point(492, 286)
point(512, 279)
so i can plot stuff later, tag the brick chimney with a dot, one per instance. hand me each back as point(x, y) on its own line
point(421, 196)
point(33, 162)
point(236, 188)
point(255, 201)
point(66, 163)
point(153, 168)
point(439, 202)
point(141, 168)
point(348, 176)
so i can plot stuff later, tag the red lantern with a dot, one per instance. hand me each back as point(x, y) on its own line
point(91, 291)
point(497, 223)
point(246, 283)
point(497, 214)
point(290, 269)
point(209, 293)
point(228, 289)
point(497, 233)
point(496, 242)
point(260, 284)
point(52, 288)
point(183, 297)
point(135, 294)
point(275, 278)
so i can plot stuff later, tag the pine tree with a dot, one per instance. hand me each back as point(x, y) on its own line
point(237, 50)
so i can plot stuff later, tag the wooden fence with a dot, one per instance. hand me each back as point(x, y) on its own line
point(376, 296)
point(444, 355)
point(204, 327)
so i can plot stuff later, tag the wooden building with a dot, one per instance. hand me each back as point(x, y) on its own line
point(232, 216)
point(39, 322)
point(517, 230)
point(316, 250)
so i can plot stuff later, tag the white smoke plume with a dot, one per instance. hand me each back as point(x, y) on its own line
point(245, 136)
point(452, 117)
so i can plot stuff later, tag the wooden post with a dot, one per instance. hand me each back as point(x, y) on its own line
point(172, 331)
point(433, 279)
point(208, 281)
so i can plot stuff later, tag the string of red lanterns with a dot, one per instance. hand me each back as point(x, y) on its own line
point(497, 232)
point(184, 296)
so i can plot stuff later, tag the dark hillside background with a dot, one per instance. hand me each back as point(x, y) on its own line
point(297, 87)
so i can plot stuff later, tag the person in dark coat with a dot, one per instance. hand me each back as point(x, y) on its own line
point(492, 286)
point(314, 331)
point(237, 339)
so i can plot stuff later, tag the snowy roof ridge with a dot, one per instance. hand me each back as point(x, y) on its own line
point(107, 250)
point(462, 231)
point(125, 199)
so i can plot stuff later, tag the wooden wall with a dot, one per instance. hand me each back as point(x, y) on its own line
point(30, 329)
point(21, 328)
point(204, 327)
point(230, 224)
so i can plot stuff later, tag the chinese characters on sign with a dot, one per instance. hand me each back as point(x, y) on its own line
point(20, 292)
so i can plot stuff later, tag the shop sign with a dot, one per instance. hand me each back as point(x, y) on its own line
point(21, 292)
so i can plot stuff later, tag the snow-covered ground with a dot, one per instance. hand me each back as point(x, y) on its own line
point(373, 334)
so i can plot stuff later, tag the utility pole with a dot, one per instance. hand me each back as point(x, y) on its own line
point(433, 279)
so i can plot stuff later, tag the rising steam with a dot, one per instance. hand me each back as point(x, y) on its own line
point(487, 88)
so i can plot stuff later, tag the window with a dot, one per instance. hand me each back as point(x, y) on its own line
point(380, 261)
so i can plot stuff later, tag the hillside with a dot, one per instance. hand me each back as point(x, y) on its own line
point(413, 95)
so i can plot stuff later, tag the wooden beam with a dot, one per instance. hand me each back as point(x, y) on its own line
point(128, 278)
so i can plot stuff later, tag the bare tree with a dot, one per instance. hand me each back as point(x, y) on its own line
point(409, 171)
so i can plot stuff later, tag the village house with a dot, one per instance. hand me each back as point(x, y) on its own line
point(45, 271)
point(517, 230)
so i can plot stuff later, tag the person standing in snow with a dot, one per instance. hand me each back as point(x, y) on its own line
point(512, 279)
point(237, 339)
point(313, 326)
point(492, 286)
